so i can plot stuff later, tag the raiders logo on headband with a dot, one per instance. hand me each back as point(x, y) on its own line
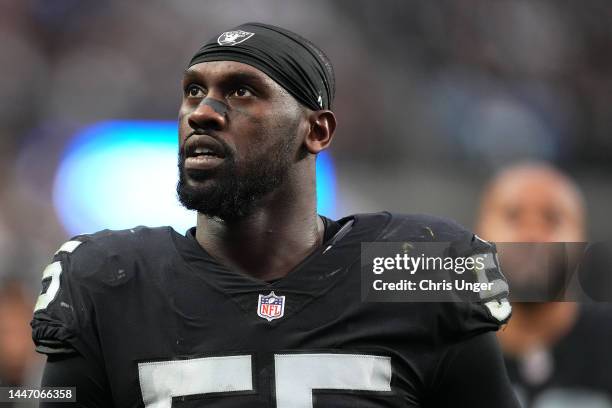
point(234, 37)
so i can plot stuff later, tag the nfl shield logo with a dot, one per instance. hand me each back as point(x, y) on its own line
point(233, 37)
point(270, 306)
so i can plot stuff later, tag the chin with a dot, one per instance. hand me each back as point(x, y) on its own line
point(204, 185)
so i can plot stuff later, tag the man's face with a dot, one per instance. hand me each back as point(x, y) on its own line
point(532, 207)
point(239, 135)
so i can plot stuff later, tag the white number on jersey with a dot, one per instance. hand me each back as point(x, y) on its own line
point(297, 375)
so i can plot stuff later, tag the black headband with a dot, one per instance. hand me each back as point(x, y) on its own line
point(292, 61)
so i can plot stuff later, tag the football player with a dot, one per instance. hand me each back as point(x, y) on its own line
point(556, 352)
point(259, 305)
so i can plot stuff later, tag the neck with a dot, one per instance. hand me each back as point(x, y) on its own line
point(273, 239)
point(537, 325)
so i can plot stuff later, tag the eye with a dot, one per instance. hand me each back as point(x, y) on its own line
point(512, 214)
point(194, 91)
point(552, 217)
point(241, 92)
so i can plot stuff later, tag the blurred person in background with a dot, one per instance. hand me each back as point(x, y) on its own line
point(557, 353)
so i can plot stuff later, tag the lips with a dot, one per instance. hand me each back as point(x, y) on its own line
point(202, 152)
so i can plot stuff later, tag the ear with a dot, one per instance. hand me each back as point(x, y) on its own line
point(322, 128)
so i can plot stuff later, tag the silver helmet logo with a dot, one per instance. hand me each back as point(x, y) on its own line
point(234, 37)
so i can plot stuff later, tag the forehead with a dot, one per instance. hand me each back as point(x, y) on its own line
point(536, 190)
point(223, 70)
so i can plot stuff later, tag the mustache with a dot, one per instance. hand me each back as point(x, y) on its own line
point(226, 149)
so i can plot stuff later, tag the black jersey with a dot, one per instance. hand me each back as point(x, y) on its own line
point(574, 372)
point(171, 326)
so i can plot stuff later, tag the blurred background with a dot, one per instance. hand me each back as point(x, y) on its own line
point(433, 97)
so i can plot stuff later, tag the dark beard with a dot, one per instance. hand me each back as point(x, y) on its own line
point(549, 270)
point(235, 192)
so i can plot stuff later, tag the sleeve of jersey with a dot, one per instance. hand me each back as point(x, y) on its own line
point(486, 310)
point(472, 374)
point(64, 317)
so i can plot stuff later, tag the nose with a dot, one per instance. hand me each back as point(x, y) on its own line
point(209, 114)
point(534, 229)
